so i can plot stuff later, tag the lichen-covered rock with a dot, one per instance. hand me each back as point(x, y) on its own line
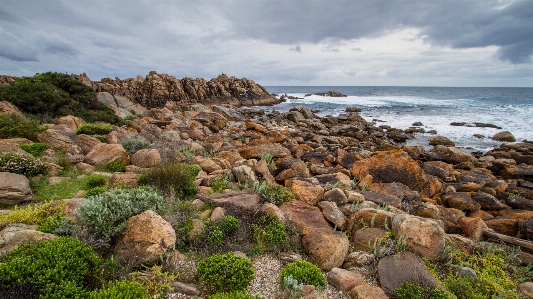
point(147, 237)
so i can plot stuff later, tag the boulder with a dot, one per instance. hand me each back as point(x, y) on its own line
point(11, 148)
point(393, 270)
point(306, 189)
point(450, 154)
point(326, 247)
point(382, 199)
point(394, 166)
point(369, 217)
point(460, 201)
point(440, 140)
point(8, 108)
point(124, 179)
point(240, 204)
point(103, 154)
point(86, 143)
point(336, 195)
point(488, 202)
point(275, 149)
point(245, 175)
point(147, 238)
point(70, 121)
point(424, 236)
point(340, 179)
point(344, 280)
point(146, 158)
point(505, 226)
point(304, 216)
point(438, 168)
point(229, 113)
point(15, 234)
point(504, 136)
point(14, 188)
point(358, 259)
point(345, 159)
point(472, 227)
point(57, 139)
point(333, 214)
point(365, 291)
point(364, 239)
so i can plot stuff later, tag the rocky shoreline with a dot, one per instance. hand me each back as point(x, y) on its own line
point(353, 181)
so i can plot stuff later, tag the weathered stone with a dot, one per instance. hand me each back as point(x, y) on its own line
point(15, 234)
point(146, 158)
point(103, 154)
point(304, 216)
point(326, 247)
point(333, 214)
point(451, 154)
point(86, 142)
point(504, 136)
point(57, 139)
point(358, 259)
point(245, 175)
point(217, 214)
point(336, 195)
point(382, 199)
point(70, 121)
point(236, 203)
point(394, 166)
point(451, 226)
point(147, 237)
point(487, 201)
point(345, 159)
point(124, 179)
point(393, 270)
point(11, 148)
point(424, 236)
point(306, 189)
point(369, 217)
point(505, 226)
point(472, 227)
point(14, 188)
point(526, 228)
point(440, 140)
point(229, 113)
point(460, 201)
point(8, 108)
point(438, 168)
point(275, 149)
point(365, 291)
point(344, 280)
point(340, 179)
point(363, 239)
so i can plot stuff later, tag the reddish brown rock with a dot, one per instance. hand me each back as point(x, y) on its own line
point(333, 214)
point(345, 159)
point(336, 195)
point(472, 227)
point(424, 236)
point(326, 247)
point(275, 149)
point(451, 226)
point(124, 179)
point(146, 158)
point(236, 203)
point(394, 166)
point(461, 201)
point(504, 136)
point(369, 217)
point(451, 154)
point(438, 168)
point(344, 280)
point(86, 142)
point(382, 199)
point(70, 121)
point(363, 239)
point(505, 226)
point(147, 237)
point(306, 189)
point(8, 108)
point(304, 216)
point(103, 154)
point(365, 291)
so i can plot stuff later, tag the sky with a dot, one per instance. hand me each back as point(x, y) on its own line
point(487, 43)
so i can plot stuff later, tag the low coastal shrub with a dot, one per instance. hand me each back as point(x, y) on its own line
point(50, 95)
point(269, 233)
point(64, 266)
point(115, 167)
point(120, 290)
point(220, 183)
point(94, 129)
point(51, 223)
point(224, 273)
point(419, 291)
point(95, 191)
point(13, 126)
point(36, 149)
point(172, 179)
point(95, 180)
point(134, 145)
point(216, 231)
point(157, 282)
point(305, 273)
point(31, 214)
point(21, 164)
point(234, 295)
point(107, 213)
point(274, 193)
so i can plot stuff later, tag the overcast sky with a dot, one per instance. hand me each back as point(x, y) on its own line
point(291, 42)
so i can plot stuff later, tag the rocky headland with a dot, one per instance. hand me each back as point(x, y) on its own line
point(356, 185)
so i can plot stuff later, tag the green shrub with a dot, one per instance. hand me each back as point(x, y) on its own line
point(95, 180)
point(51, 95)
point(36, 149)
point(31, 214)
point(275, 194)
point(269, 232)
point(120, 290)
point(95, 191)
point(13, 126)
point(305, 273)
point(115, 167)
point(134, 145)
point(217, 230)
point(20, 164)
point(229, 223)
point(216, 236)
point(107, 213)
point(51, 223)
point(172, 178)
point(224, 273)
point(419, 291)
point(220, 183)
point(94, 129)
point(64, 266)
point(234, 295)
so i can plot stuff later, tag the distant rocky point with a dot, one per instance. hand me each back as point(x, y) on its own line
point(330, 93)
point(155, 90)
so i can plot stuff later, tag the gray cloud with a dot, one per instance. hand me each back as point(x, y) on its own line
point(13, 48)
point(296, 49)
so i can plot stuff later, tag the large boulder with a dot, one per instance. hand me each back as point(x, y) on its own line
point(14, 188)
point(326, 247)
point(395, 269)
point(423, 235)
point(504, 136)
point(450, 154)
point(275, 149)
point(394, 166)
point(8, 108)
point(86, 143)
point(146, 158)
point(15, 234)
point(70, 121)
point(147, 238)
point(103, 154)
point(240, 204)
point(304, 216)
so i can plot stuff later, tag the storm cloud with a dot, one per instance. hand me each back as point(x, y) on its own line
point(297, 42)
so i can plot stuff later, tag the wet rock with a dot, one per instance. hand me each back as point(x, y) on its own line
point(504, 136)
point(440, 140)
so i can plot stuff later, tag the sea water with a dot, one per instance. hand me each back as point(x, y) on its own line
point(435, 107)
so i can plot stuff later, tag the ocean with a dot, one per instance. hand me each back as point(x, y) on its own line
point(435, 107)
